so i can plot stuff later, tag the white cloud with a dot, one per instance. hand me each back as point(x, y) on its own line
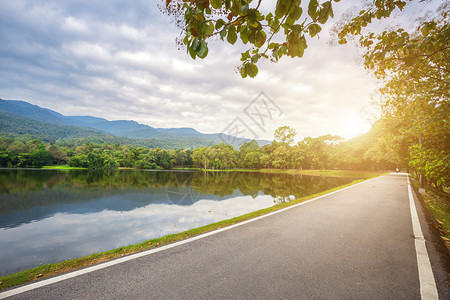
point(119, 60)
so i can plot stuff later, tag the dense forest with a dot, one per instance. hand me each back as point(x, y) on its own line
point(325, 152)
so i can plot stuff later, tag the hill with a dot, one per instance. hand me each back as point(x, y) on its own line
point(20, 117)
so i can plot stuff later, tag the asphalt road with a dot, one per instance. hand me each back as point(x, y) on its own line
point(354, 244)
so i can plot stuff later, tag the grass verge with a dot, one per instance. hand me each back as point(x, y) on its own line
point(328, 173)
point(77, 263)
point(438, 204)
point(62, 167)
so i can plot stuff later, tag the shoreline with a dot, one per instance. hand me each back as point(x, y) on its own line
point(312, 172)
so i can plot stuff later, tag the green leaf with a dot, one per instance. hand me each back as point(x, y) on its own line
point(252, 19)
point(255, 59)
point(209, 28)
point(296, 13)
point(244, 35)
point(186, 40)
point(314, 29)
point(216, 4)
point(245, 55)
point(325, 12)
point(204, 53)
point(195, 43)
point(252, 36)
point(296, 46)
point(227, 4)
point(275, 53)
point(244, 8)
point(275, 26)
point(273, 45)
point(202, 49)
point(192, 52)
point(312, 9)
point(281, 9)
point(219, 24)
point(224, 32)
point(251, 70)
point(200, 28)
point(232, 36)
point(243, 72)
point(260, 38)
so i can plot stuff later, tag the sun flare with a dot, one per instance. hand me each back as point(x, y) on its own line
point(352, 126)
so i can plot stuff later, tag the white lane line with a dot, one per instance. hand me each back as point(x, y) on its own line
point(428, 288)
point(117, 261)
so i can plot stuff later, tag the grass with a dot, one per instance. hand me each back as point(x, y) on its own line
point(438, 204)
point(328, 173)
point(73, 264)
point(62, 167)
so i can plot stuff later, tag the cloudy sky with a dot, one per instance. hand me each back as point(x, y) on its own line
point(118, 60)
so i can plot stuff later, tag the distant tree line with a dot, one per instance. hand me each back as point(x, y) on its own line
point(325, 152)
point(25, 152)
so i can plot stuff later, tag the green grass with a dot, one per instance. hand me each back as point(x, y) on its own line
point(62, 167)
point(69, 265)
point(330, 173)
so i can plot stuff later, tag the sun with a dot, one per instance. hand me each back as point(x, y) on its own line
point(352, 126)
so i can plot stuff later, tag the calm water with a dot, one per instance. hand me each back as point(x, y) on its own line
point(48, 216)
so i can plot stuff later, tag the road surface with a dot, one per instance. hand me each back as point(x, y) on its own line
point(357, 243)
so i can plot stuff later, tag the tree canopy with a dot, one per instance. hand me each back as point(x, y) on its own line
point(283, 30)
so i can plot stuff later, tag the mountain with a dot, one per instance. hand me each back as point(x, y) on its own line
point(16, 124)
point(32, 111)
point(20, 117)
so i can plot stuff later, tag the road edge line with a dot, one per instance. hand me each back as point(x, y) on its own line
point(428, 289)
point(58, 278)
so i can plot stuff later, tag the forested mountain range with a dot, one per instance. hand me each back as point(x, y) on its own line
point(20, 117)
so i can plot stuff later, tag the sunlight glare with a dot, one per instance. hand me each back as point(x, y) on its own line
point(352, 126)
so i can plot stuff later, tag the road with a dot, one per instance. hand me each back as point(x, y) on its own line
point(357, 243)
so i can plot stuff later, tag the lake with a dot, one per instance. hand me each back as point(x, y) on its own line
point(48, 216)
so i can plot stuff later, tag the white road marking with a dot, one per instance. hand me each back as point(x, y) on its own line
point(117, 261)
point(428, 288)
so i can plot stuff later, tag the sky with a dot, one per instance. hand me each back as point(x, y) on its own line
point(118, 60)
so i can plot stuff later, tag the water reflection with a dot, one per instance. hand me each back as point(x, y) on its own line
point(48, 216)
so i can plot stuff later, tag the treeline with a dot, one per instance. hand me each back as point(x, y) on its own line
point(325, 152)
point(25, 152)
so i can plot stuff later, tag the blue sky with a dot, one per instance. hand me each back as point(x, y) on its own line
point(119, 60)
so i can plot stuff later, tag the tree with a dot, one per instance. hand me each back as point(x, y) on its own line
point(199, 158)
point(415, 69)
point(282, 157)
point(434, 165)
point(285, 135)
point(249, 155)
point(58, 155)
point(283, 31)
